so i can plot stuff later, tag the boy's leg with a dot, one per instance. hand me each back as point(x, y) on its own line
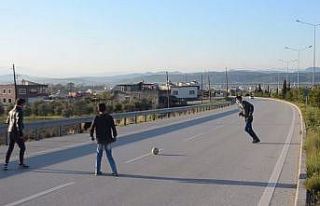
point(110, 159)
point(98, 159)
point(10, 148)
point(22, 147)
point(250, 131)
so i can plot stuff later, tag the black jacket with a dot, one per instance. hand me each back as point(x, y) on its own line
point(247, 110)
point(103, 124)
point(15, 121)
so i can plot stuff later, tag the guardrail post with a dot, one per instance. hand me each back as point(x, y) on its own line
point(80, 129)
point(136, 119)
point(60, 130)
point(125, 121)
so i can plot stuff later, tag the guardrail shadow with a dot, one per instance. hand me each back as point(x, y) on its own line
point(183, 180)
point(213, 181)
point(44, 160)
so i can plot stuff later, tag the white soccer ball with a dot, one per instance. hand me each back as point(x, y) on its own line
point(155, 150)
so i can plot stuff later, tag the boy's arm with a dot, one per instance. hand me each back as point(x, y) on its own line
point(114, 129)
point(8, 119)
point(20, 124)
point(92, 128)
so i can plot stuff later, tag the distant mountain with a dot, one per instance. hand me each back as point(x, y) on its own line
point(310, 69)
point(234, 76)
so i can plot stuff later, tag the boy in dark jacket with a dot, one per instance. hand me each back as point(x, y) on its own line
point(104, 125)
point(15, 132)
point(247, 112)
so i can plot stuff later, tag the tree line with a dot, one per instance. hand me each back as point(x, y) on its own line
point(79, 107)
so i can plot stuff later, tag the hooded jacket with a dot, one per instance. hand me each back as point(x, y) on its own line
point(105, 128)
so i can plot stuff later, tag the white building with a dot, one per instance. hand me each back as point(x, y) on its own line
point(185, 92)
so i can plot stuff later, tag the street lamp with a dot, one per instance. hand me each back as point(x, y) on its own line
point(287, 63)
point(314, 45)
point(298, 60)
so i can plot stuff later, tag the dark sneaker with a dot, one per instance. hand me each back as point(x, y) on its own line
point(256, 141)
point(5, 167)
point(23, 166)
point(115, 174)
point(98, 173)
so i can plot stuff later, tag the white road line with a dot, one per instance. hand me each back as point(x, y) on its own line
point(202, 134)
point(193, 137)
point(141, 157)
point(269, 190)
point(39, 194)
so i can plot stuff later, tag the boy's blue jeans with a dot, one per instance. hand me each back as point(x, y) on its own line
point(100, 148)
point(249, 130)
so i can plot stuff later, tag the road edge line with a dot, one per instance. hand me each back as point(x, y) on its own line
point(301, 192)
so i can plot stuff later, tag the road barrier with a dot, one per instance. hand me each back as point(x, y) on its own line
point(49, 128)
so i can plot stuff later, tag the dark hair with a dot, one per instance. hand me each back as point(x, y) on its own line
point(102, 107)
point(20, 101)
point(239, 97)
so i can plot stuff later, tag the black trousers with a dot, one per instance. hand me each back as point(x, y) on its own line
point(14, 138)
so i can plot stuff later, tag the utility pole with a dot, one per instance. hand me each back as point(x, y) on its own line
point(15, 83)
point(209, 90)
point(227, 81)
point(168, 96)
point(201, 87)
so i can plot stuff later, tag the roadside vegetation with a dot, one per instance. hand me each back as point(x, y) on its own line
point(73, 107)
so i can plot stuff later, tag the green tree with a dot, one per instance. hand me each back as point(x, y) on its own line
point(2, 110)
point(67, 112)
point(27, 110)
point(35, 108)
point(314, 97)
point(58, 106)
point(118, 107)
point(284, 89)
point(44, 109)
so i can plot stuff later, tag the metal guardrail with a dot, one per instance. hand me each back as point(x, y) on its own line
point(117, 116)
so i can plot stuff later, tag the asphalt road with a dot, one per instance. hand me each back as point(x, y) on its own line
point(205, 159)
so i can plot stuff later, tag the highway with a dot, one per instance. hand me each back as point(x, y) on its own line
point(205, 159)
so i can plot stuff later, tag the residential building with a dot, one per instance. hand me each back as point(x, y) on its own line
point(140, 90)
point(28, 90)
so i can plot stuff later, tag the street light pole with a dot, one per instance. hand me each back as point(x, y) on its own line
point(15, 83)
point(298, 60)
point(314, 46)
point(168, 95)
point(287, 68)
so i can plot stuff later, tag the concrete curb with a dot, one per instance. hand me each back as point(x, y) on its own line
point(301, 192)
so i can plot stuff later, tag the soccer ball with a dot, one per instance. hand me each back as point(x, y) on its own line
point(155, 150)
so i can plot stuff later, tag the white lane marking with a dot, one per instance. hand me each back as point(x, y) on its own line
point(193, 137)
point(201, 135)
point(269, 190)
point(141, 157)
point(39, 194)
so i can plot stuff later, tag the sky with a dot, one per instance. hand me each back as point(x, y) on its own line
point(59, 38)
